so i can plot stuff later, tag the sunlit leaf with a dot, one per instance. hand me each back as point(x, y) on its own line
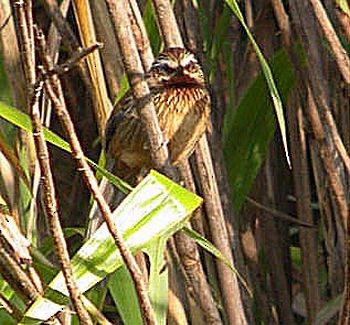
point(127, 305)
point(23, 121)
point(158, 279)
point(155, 209)
point(344, 6)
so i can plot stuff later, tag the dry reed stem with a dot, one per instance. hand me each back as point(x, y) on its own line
point(228, 281)
point(26, 30)
point(51, 206)
point(295, 118)
point(197, 286)
point(92, 184)
point(87, 33)
point(339, 53)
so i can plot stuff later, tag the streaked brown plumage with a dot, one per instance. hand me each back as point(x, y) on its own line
point(182, 104)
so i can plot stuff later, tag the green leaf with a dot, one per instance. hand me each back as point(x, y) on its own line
point(155, 209)
point(127, 304)
point(8, 293)
point(23, 121)
point(250, 130)
point(344, 6)
point(120, 283)
point(158, 279)
point(209, 247)
point(277, 103)
point(152, 27)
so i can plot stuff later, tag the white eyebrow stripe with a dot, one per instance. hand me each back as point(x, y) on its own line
point(162, 62)
point(188, 59)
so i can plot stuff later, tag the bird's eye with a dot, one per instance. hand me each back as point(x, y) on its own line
point(163, 68)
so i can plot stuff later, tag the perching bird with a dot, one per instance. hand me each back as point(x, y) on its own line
point(182, 105)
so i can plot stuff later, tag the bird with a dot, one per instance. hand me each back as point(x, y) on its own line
point(182, 104)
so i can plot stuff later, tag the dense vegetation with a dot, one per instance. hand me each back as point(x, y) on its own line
point(273, 171)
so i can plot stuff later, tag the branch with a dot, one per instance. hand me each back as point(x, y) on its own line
point(167, 23)
point(339, 52)
point(25, 24)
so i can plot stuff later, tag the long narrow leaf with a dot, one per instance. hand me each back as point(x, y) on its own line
point(127, 304)
point(209, 247)
point(158, 279)
point(249, 131)
point(277, 103)
point(22, 120)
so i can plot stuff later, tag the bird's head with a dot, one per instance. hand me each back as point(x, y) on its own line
point(176, 67)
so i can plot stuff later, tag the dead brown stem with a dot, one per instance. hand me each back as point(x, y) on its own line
point(16, 277)
point(167, 23)
point(25, 23)
point(339, 52)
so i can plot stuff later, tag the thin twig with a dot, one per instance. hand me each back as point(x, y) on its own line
point(280, 214)
point(68, 36)
point(48, 184)
point(72, 61)
point(24, 15)
point(5, 22)
point(16, 277)
point(51, 211)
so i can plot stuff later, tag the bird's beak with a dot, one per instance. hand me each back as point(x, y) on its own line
point(178, 73)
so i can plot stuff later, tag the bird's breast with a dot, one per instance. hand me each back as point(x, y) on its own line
point(174, 105)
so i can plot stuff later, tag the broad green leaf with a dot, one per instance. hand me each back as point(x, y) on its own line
point(121, 282)
point(23, 121)
point(156, 208)
point(251, 129)
point(277, 103)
